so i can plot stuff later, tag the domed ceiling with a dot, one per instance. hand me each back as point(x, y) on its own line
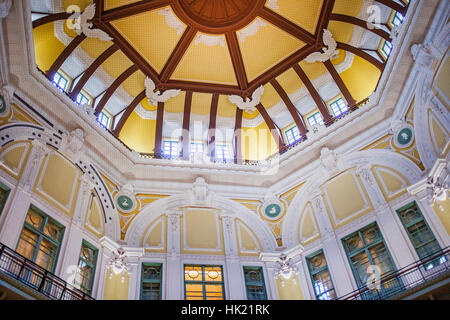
point(187, 69)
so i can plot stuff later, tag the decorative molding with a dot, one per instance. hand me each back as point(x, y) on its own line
point(327, 53)
point(251, 29)
point(210, 41)
point(172, 20)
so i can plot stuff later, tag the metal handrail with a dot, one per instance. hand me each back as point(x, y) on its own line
point(401, 275)
point(26, 271)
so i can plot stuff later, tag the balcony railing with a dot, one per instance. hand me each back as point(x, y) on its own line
point(419, 273)
point(29, 273)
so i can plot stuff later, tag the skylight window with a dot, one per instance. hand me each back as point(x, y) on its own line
point(339, 107)
point(60, 82)
point(171, 148)
point(293, 135)
point(82, 99)
point(197, 148)
point(104, 120)
point(222, 152)
point(316, 118)
point(397, 19)
point(387, 48)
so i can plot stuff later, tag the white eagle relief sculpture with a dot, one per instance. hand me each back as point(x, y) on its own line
point(155, 97)
point(329, 52)
point(82, 25)
point(248, 105)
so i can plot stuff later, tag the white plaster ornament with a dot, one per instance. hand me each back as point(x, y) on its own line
point(328, 52)
point(155, 97)
point(248, 105)
point(119, 264)
point(82, 25)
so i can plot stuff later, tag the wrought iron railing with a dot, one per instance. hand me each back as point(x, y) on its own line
point(29, 273)
point(419, 273)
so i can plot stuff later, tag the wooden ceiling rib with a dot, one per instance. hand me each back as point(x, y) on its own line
point(341, 85)
point(359, 52)
point(238, 136)
point(131, 9)
point(186, 125)
point(292, 110)
point(272, 127)
point(212, 126)
point(92, 68)
point(287, 26)
point(64, 55)
point(394, 6)
point(109, 92)
point(51, 18)
point(159, 127)
point(360, 23)
point(128, 111)
point(327, 118)
point(236, 58)
point(180, 49)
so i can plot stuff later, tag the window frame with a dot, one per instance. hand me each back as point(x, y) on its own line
point(230, 153)
point(319, 270)
point(336, 100)
point(108, 116)
point(313, 116)
point(365, 248)
point(196, 143)
point(64, 76)
point(93, 267)
point(41, 235)
point(291, 129)
point(203, 282)
point(83, 94)
point(171, 142)
point(160, 281)
point(263, 281)
point(414, 222)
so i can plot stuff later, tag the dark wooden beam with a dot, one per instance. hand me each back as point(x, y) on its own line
point(133, 9)
point(324, 19)
point(186, 126)
point(394, 6)
point(236, 58)
point(64, 55)
point(51, 18)
point(341, 85)
point(272, 127)
point(361, 23)
point(177, 54)
point(287, 26)
point(292, 110)
point(128, 111)
point(201, 87)
point(377, 63)
point(92, 68)
point(212, 126)
point(110, 91)
point(238, 137)
point(327, 118)
point(130, 52)
point(159, 128)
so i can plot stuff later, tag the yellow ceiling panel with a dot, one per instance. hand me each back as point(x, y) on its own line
point(225, 108)
point(266, 48)
point(207, 63)
point(150, 35)
point(303, 13)
point(134, 85)
point(201, 103)
point(95, 47)
point(117, 64)
point(341, 31)
point(270, 96)
point(175, 104)
point(348, 7)
point(340, 58)
point(111, 4)
point(138, 133)
point(313, 70)
point(290, 81)
point(47, 47)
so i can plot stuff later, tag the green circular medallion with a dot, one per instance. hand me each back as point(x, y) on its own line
point(405, 136)
point(273, 210)
point(125, 203)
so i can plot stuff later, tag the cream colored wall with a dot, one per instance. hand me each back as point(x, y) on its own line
point(114, 288)
point(290, 290)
